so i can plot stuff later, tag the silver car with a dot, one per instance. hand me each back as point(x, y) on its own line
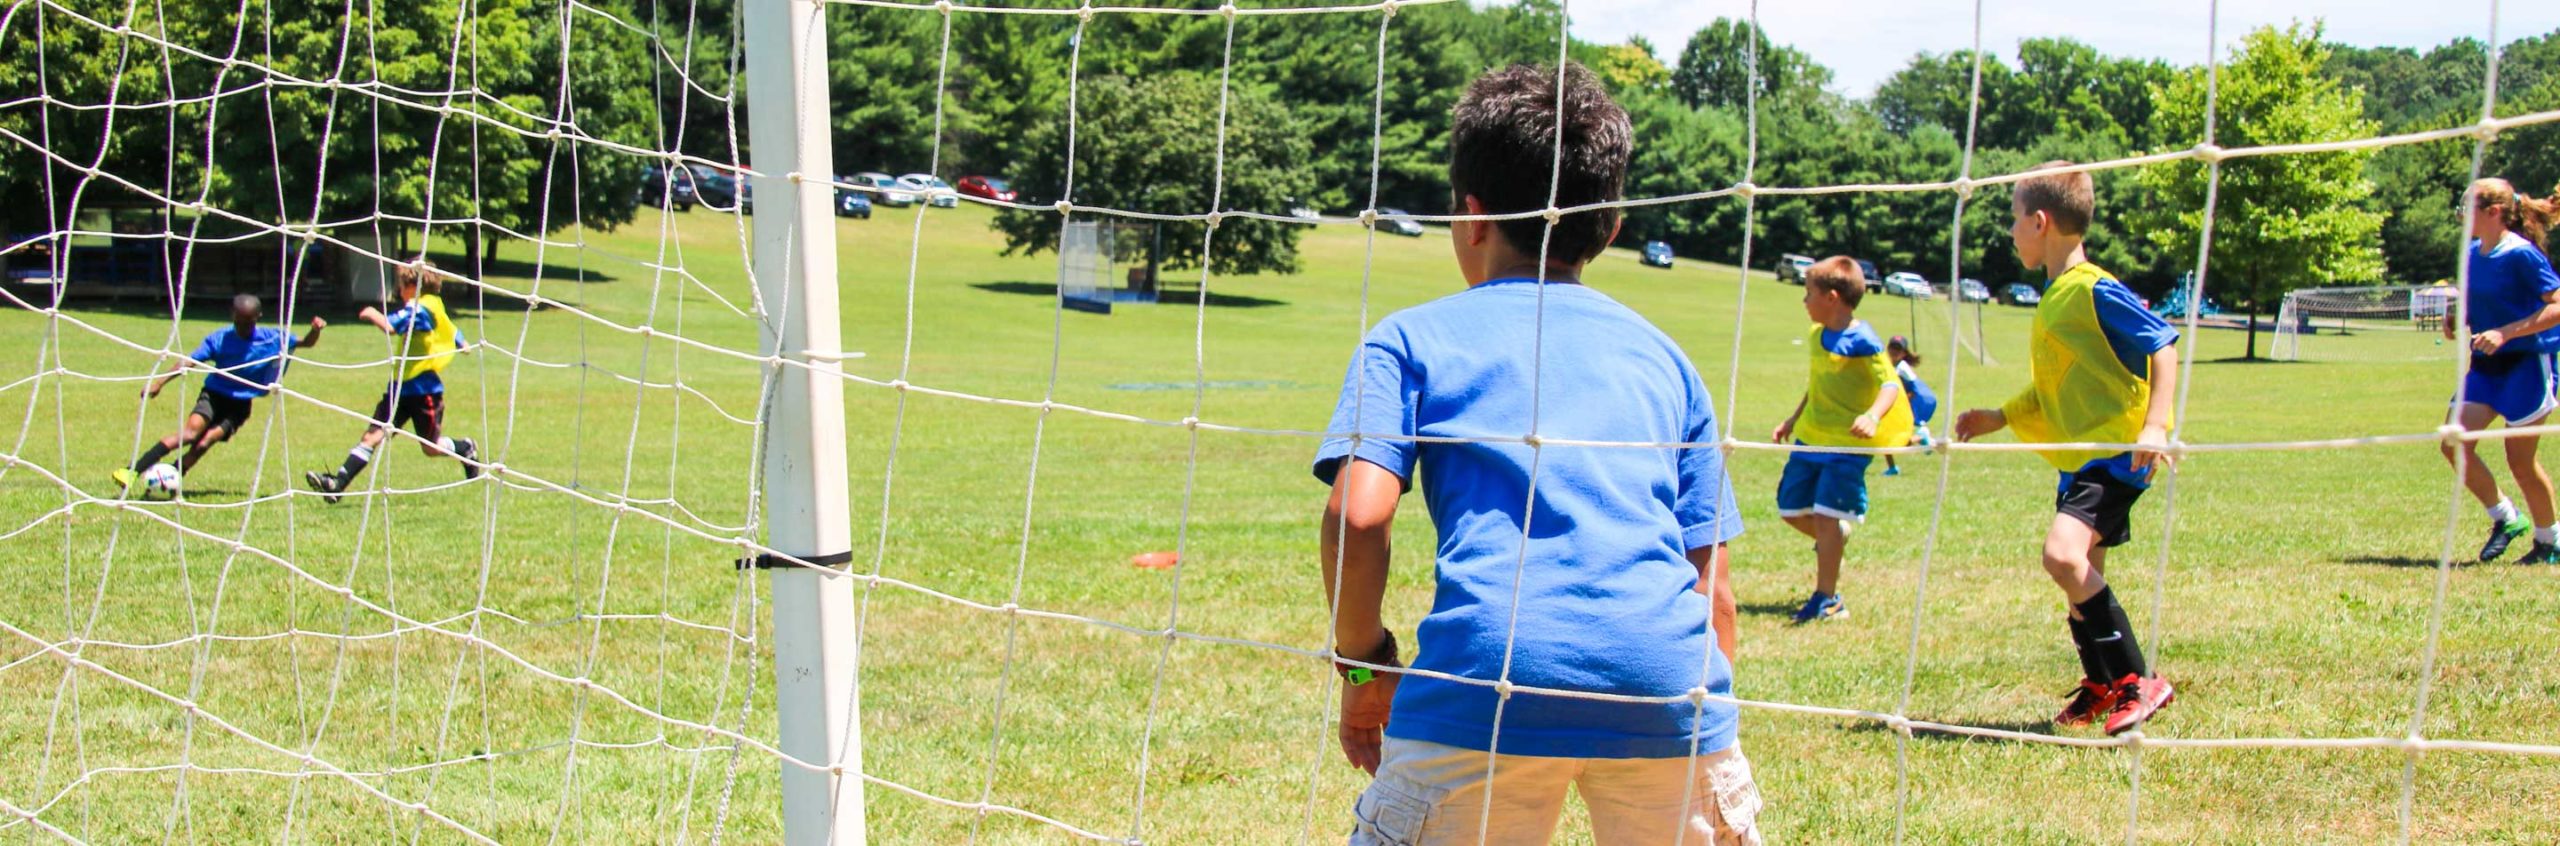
point(885, 189)
point(935, 191)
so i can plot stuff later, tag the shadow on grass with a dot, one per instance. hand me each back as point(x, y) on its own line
point(2243, 360)
point(2397, 561)
point(1919, 733)
point(550, 271)
point(1216, 300)
point(1769, 609)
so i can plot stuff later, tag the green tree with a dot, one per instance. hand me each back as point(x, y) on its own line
point(1150, 144)
point(1632, 68)
point(2282, 222)
point(1716, 68)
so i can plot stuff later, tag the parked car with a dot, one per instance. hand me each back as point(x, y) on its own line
point(1407, 228)
point(1791, 267)
point(885, 189)
point(1908, 284)
point(936, 192)
point(1303, 212)
point(1657, 254)
point(1973, 291)
point(716, 189)
point(852, 203)
point(667, 188)
point(986, 187)
point(1875, 278)
point(2021, 294)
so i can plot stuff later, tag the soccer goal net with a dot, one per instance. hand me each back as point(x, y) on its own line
point(600, 462)
point(2331, 316)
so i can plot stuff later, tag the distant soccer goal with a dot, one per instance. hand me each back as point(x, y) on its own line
point(1101, 262)
point(2331, 315)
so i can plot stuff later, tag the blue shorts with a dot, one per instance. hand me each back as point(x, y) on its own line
point(1828, 484)
point(2521, 387)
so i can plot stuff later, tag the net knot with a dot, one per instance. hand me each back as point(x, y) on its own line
point(897, 384)
point(1389, 7)
point(1084, 15)
point(2210, 152)
point(2487, 130)
point(2450, 433)
point(1065, 206)
point(1215, 218)
point(1745, 189)
point(1964, 187)
point(1502, 688)
point(1697, 696)
point(1553, 214)
point(943, 6)
point(1191, 422)
point(1227, 10)
point(1369, 218)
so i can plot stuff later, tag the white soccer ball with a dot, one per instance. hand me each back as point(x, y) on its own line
point(161, 480)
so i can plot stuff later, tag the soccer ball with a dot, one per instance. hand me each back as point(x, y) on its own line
point(161, 481)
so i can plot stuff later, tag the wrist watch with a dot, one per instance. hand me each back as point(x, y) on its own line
point(1384, 654)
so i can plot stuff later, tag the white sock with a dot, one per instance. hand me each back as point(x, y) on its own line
point(362, 452)
point(446, 444)
point(2504, 511)
point(2548, 534)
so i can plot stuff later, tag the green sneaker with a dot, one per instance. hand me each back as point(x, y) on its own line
point(2500, 535)
point(125, 478)
point(2541, 553)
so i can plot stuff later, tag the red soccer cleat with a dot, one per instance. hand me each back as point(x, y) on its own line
point(2088, 702)
point(2137, 698)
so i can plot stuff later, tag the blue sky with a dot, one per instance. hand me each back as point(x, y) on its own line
point(1863, 41)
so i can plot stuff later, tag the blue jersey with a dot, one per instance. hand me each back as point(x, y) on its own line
point(2134, 333)
point(415, 318)
point(249, 362)
point(1605, 596)
point(2509, 283)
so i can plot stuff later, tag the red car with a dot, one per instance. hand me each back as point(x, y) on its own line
point(986, 187)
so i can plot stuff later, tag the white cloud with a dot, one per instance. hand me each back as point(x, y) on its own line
point(1864, 41)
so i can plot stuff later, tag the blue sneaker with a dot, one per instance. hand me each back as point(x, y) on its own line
point(1892, 470)
point(1821, 606)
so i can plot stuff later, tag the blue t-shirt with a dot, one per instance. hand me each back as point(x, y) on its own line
point(1606, 599)
point(249, 362)
point(2508, 284)
point(2134, 333)
point(416, 318)
point(1857, 341)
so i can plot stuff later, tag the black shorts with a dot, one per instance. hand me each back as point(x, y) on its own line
point(2096, 497)
point(423, 413)
point(225, 413)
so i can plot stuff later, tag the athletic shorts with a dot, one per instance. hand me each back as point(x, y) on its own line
point(1430, 794)
point(225, 413)
point(1828, 484)
point(2095, 496)
point(2521, 387)
point(422, 413)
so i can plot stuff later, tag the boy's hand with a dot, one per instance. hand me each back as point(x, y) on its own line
point(1979, 422)
point(151, 390)
point(2151, 449)
point(1364, 718)
point(2488, 342)
point(1780, 434)
point(1864, 426)
point(368, 314)
point(318, 324)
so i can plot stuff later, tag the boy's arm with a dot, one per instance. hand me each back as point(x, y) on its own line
point(1865, 425)
point(312, 338)
point(1358, 518)
point(153, 390)
point(2152, 447)
point(374, 316)
point(1788, 427)
point(1715, 581)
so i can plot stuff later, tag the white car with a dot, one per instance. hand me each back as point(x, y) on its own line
point(886, 190)
point(1908, 284)
point(936, 191)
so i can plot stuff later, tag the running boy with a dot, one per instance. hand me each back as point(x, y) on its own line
point(1924, 402)
point(2102, 369)
point(1605, 582)
point(415, 397)
point(2515, 303)
point(1851, 399)
point(248, 359)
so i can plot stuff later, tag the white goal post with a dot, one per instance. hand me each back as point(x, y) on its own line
point(2351, 309)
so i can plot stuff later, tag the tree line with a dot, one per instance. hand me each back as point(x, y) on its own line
point(1318, 111)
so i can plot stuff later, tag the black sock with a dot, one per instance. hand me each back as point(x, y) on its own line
point(149, 457)
point(356, 460)
point(2112, 634)
point(2092, 662)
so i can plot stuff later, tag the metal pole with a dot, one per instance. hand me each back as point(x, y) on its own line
point(816, 699)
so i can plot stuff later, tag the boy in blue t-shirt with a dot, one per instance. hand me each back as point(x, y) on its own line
point(1851, 399)
point(1606, 581)
point(248, 360)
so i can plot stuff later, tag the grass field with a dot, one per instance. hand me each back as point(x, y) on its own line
point(2296, 601)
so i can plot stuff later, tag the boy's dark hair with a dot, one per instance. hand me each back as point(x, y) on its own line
point(422, 273)
point(1502, 146)
point(1838, 275)
point(248, 304)
point(2070, 199)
